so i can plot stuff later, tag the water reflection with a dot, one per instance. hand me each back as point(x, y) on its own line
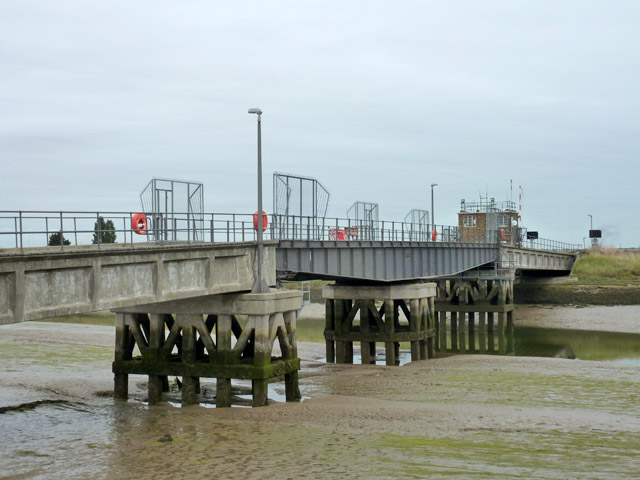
point(585, 344)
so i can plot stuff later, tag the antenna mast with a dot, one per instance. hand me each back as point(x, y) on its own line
point(520, 203)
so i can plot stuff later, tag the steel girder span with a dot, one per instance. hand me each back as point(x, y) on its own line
point(380, 261)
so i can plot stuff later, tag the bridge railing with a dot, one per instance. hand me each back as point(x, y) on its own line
point(294, 227)
point(547, 244)
point(22, 229)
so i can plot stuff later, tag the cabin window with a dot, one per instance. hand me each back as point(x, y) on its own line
point(503, 221)
point(469, 221)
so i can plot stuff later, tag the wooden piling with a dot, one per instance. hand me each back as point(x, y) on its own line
point(462, 341)
point(491, 348)
point(390, 346)
point(482, 335)
point(471, 326)
point(464, 300)
point(330, 327)
point(454, 331)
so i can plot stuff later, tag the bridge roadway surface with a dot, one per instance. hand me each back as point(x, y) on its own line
point(45, 282)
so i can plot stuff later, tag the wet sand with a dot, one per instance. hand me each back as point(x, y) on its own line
point(461, 417)
point(624, 319)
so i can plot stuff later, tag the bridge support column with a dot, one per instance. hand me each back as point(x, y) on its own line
point(468, 308)
point(204, 337)
point(388, 314)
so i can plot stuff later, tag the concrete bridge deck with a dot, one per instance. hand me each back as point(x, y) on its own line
point(47, 282)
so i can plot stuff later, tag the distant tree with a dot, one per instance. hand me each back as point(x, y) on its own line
point(104, 231)
point(58, 239)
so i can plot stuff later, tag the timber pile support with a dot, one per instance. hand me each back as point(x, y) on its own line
point(388, 314)
point(475, 316)
point(203, 337)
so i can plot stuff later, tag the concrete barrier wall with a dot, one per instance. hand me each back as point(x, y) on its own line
point(40, 283)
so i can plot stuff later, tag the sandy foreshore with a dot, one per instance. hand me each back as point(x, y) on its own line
point(461, 417)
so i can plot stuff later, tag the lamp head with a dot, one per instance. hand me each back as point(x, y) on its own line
point(257, 111)
point(434, 185)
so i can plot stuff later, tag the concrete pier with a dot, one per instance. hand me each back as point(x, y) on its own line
point(203, 337)
point(475, 316)
point(388, 314)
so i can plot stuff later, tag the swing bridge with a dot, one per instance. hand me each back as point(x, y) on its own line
point(179, 285)
point(191, 255)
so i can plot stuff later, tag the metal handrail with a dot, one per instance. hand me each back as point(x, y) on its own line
point(31, 228)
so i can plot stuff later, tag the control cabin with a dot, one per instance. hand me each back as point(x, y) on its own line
point(489, 221)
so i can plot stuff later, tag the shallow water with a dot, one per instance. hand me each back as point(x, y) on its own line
point(586, 344)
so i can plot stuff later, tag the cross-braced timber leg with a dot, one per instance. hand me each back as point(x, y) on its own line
point(262, 358)
point(122, 353)
point(291, 384)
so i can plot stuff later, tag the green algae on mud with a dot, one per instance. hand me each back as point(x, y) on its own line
point(530, 293)
point(512, 453)
point(52, 355)
point(463, 430)
point(466, 416)
point(95, 318)
point(501, 381)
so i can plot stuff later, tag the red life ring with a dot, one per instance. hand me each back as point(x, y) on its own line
point(265, 221)
point(502, 233)
point(139, 223)
point(434, 235)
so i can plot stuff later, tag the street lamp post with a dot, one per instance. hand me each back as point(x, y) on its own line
point(593, 240)
point(433, 223)
point(259, 286)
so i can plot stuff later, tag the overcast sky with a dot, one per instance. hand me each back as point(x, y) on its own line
point(377, 100)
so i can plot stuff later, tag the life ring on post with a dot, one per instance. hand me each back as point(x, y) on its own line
point(139, 223)
point(434, 235)
point(502, 234)
point(265, 221)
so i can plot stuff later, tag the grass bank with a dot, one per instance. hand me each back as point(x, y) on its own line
point(608, 266)
point(601, 276)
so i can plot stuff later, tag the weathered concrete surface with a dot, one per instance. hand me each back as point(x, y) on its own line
point(47, 282)
point(271, 317)
point(229, 304)
point(530, 259)
point(379, 292)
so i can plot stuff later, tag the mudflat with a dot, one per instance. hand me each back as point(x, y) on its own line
point(460, 416)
